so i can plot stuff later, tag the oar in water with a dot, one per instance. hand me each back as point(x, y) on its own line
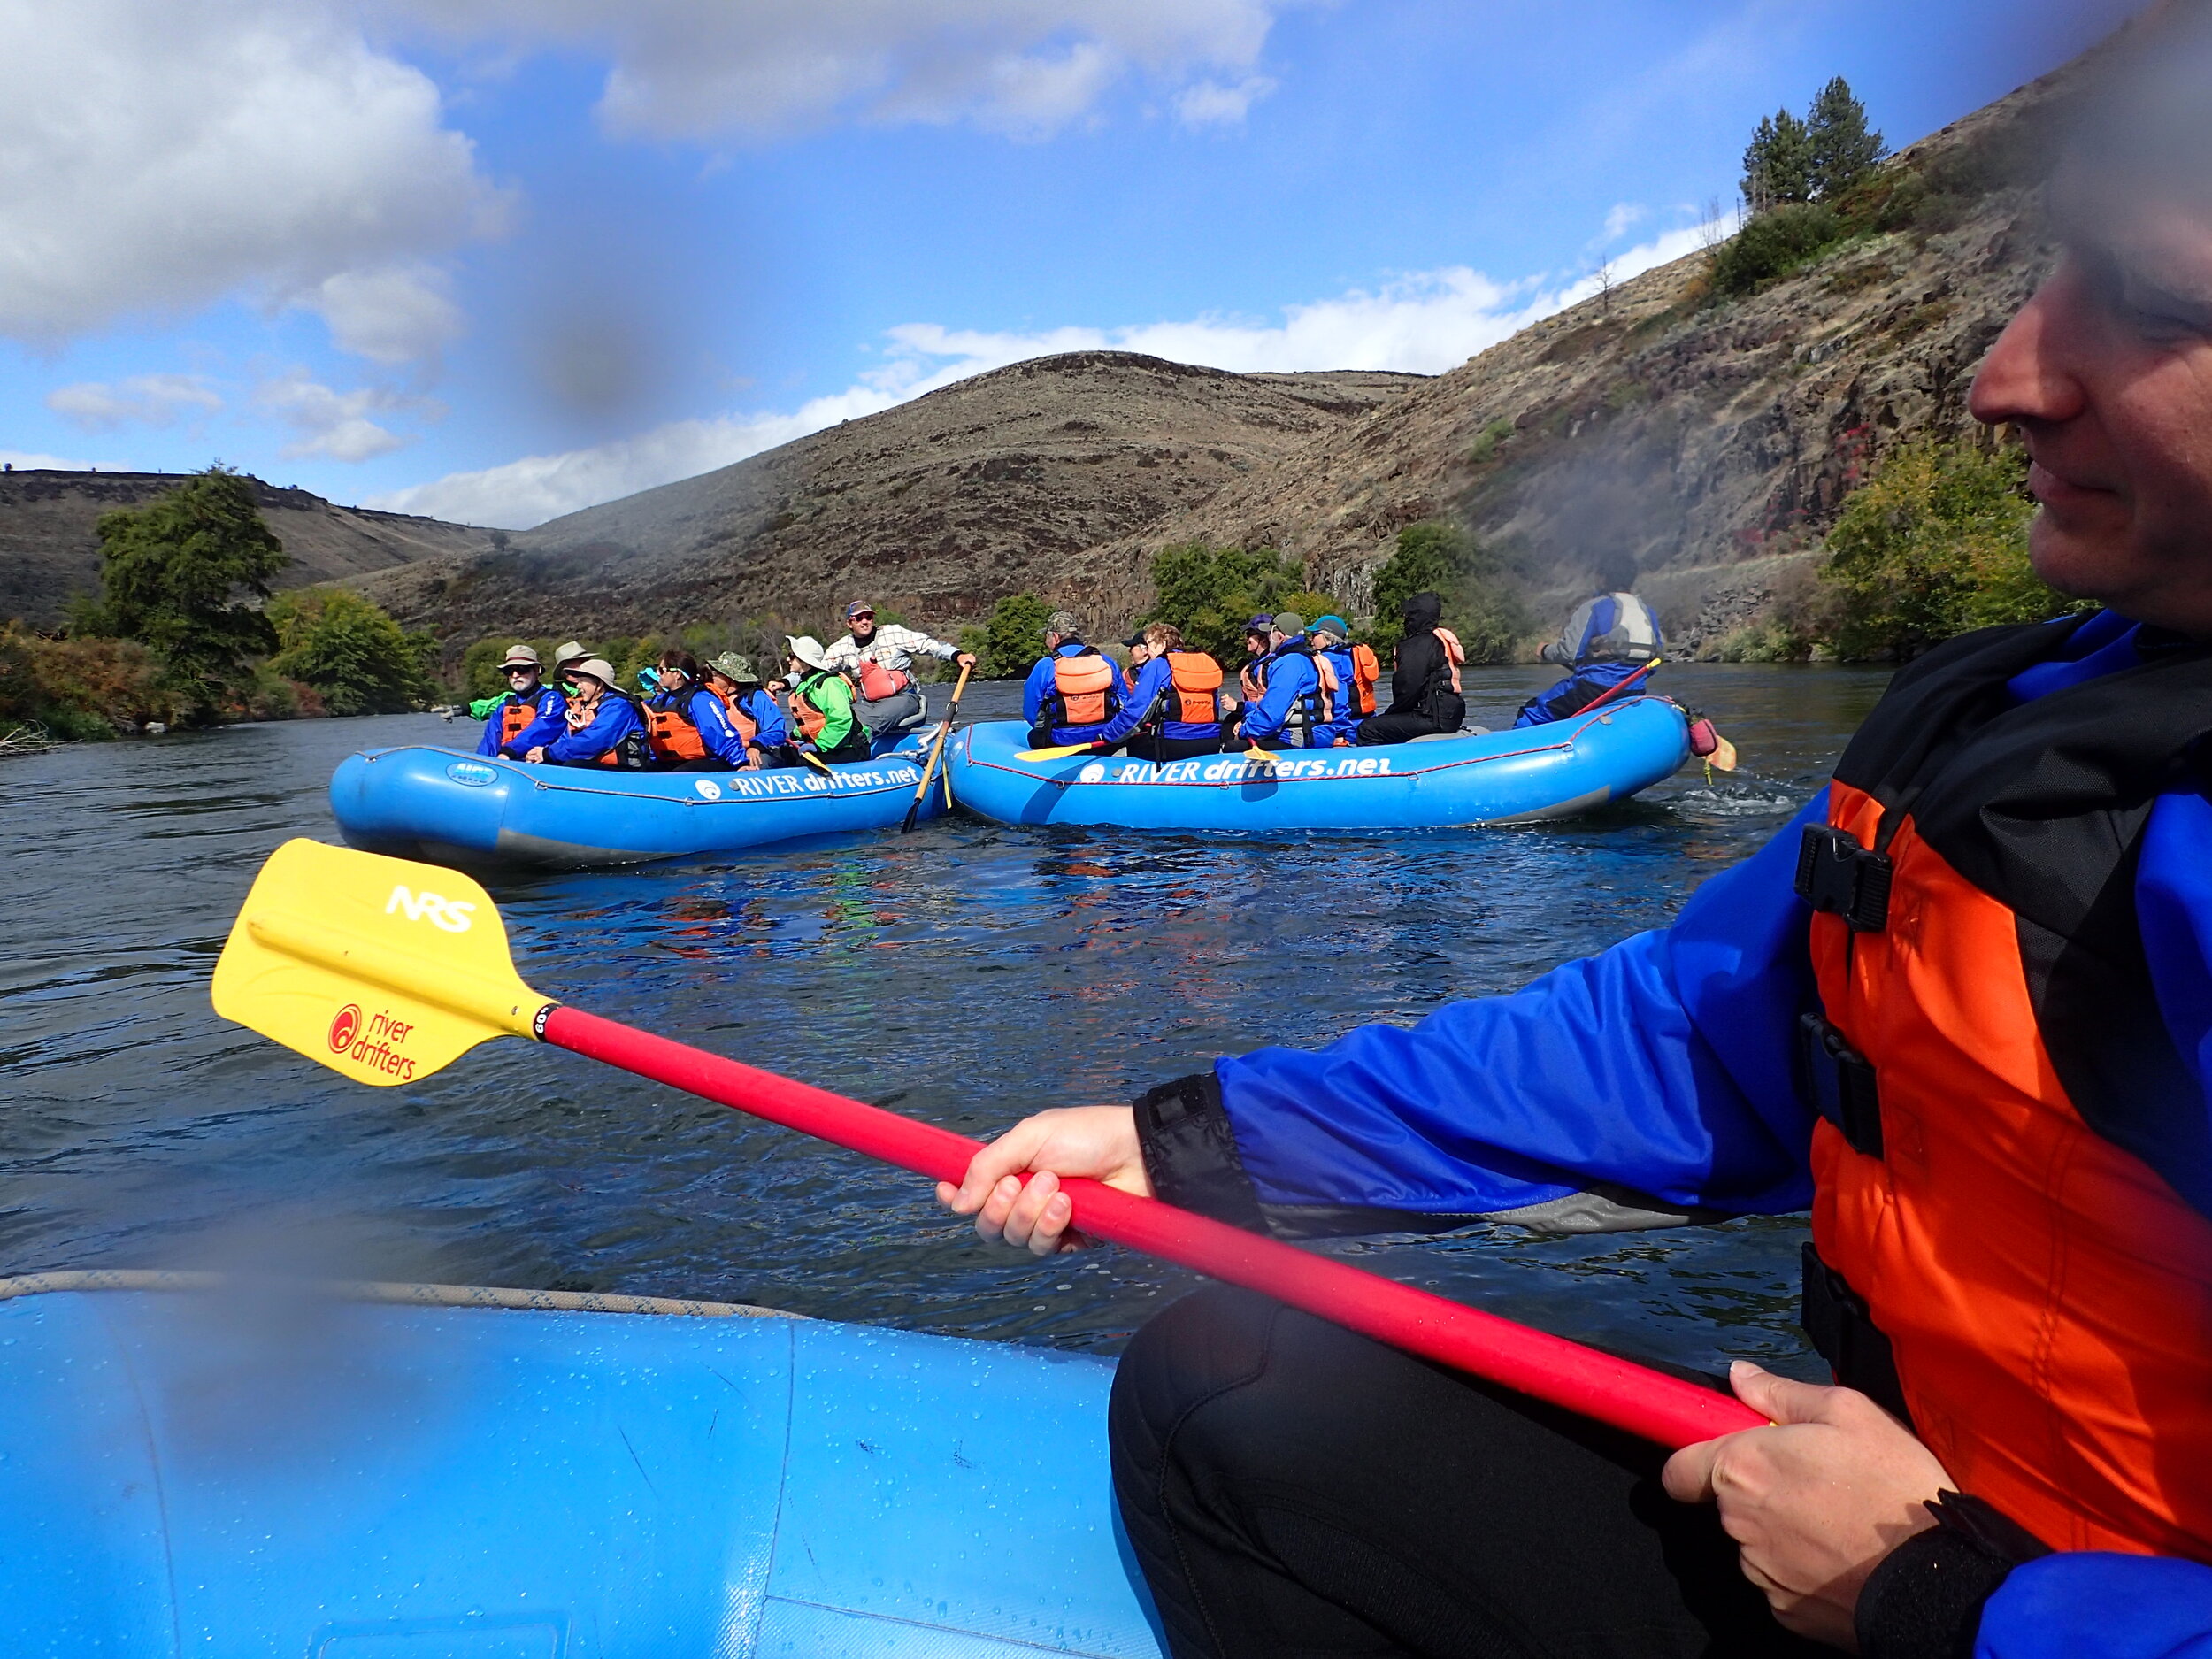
point(387, 970)
point(937, 750)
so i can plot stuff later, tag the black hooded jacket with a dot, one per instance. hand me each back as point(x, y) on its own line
point(1421, 663)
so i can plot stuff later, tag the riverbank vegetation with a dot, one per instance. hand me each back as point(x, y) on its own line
point(185, 631)
point(1935, 544)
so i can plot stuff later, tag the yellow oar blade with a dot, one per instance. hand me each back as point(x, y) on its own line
point(1724, 758)
point(1061, 753)
point(383, 969)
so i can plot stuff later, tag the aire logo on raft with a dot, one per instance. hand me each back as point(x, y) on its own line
point(377, 1048)
point(452, 914)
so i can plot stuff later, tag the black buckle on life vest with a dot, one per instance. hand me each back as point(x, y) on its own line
point(1841, 1082)
point(1844, 1333)
point(1836, 874)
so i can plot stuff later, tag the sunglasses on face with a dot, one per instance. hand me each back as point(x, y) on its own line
point(520, 673)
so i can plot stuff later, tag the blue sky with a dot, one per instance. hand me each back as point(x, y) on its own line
point(497, 259)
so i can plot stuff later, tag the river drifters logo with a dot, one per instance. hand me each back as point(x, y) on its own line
point(345, 1025)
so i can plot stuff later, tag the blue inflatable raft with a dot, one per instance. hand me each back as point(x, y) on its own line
point(1516, 777)
point(230, 1472)
point(434, 804)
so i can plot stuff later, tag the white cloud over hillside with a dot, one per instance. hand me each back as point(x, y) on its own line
point(1425, 323)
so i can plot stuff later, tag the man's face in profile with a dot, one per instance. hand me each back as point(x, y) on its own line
point(2108, 374)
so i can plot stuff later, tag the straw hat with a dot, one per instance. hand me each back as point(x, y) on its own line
point(732, 666)
point(521, 657)
point(808, 649)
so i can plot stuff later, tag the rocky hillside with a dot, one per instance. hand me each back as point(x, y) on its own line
point(935, 508)
point(1712, 439)
point(50, 548)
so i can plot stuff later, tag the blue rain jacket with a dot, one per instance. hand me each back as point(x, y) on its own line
point(1663, 1065)
point(1345, 723)
point(551, 722)
point(1154, 688)
point(1290, 675)
point(767, 714)
point(1038, 686)
point(616, 719)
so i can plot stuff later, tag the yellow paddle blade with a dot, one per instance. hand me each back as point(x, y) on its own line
point(383, 969)
point(1060, 753)
point(1723, 758)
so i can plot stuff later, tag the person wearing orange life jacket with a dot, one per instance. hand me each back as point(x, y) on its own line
point(605, 725)
point(1173, 710)
point(753, 710)
point(822, 704)
point(688, 727)
point(1424, 687)
point(878, 659)
point(1290, 700)
point(1348, 681)
point(1074, 690)
point(1962, 1005)
point(530, 714)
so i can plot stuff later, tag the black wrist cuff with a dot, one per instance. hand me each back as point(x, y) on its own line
point(1924, 1601)
point(1190, 1152)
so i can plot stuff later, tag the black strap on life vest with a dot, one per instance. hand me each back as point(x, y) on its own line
point(1839, 1082)
point(1837, 875)
point(2042, 805)
point(1843, 1333)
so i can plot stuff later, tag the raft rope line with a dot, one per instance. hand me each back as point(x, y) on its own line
point(385, 1291)
point(858, 792)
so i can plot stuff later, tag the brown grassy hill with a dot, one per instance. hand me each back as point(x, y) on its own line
point(50, 550)
point(935, 508)
point(1712, 439)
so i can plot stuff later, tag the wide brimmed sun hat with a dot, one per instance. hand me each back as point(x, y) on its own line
point(521, 657)
point(574, 651)
point(598, 668)
point(808, 649)
point(730, 665)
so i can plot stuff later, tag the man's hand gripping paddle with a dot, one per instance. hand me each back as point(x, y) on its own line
point(936, 754)
point(386, 971)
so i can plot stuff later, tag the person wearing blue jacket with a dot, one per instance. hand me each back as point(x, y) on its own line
point(530, 714)
point(690, 718)
point(1290, 686)
point(1064, 644)
point(1330, 636)
point(604, 727)
point(734, 680)
point(1151, 724)
point(1962, 1007)
point(1609, 638)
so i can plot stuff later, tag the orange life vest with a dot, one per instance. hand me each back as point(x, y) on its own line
point(806, 717)
point(747, 728)
point(516, 716)
point(1366, 673)
point(1195, 679)
point(1454, 654)
point(2036, 1294)
point(1081, 685)
point(671, 734)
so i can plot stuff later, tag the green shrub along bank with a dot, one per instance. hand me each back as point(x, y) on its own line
point(1481, 604)
point(1011, 638)
point(1933, 545)
point(356, 657)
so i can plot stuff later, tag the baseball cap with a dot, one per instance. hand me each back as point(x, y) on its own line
point(1331, 624)
point(859, 608)
point(1288, 622)
point(1063, 624)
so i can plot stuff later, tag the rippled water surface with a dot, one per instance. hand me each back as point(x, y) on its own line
point(966, 974)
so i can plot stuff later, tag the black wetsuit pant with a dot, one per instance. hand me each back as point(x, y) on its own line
point(1294, 1490)
point(1145, 746)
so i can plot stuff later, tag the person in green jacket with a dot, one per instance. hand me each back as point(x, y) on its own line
point(822, 704)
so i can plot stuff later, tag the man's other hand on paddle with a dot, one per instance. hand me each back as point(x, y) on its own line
point(1099, 1142)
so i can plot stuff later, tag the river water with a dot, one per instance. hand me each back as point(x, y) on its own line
point(966, 974)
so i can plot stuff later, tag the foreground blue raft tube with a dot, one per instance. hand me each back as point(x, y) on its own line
point(434, 804)
point(1516, 777)
point(225, 1472)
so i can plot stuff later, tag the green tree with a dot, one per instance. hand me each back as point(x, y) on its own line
point(1210, 592)
point(1480, 603)
point(1778, 164)
point(355, 656)
point(181, 575)
point(1936, 543)
point(1774, 245)
point(1012, 639)
point(1840, 149)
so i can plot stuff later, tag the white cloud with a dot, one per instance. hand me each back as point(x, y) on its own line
point(159, 156)
point(1624, 216)
point(29, 460)
point(1211, 103)
point(332, 424)
point(1423, 323)
point(402, 313)
point(153, 400)
point(704, 69)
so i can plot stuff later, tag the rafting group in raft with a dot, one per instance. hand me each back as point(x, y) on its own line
point(720, 716)
point(1308, 686)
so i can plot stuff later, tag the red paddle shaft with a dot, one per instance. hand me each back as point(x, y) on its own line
point(1549, 1368)
point(1612, 692)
